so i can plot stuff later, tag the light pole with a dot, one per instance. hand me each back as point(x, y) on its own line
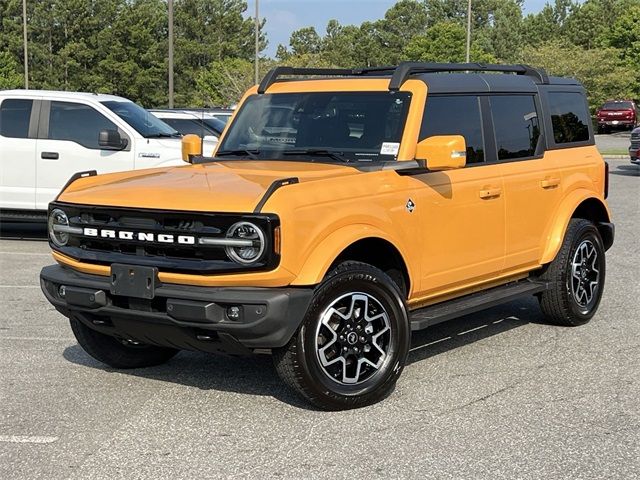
point(468, 30)
point(170, 5)
point(24, 40)
point(257, 21)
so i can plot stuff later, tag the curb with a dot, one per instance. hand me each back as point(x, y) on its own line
point(615, 157)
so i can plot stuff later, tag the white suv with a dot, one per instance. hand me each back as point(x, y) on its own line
point(202, 124)
point(46, 137)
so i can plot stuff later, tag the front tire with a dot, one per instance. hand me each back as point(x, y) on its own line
point(117, 354)
point(576, 276)
point(353, 342)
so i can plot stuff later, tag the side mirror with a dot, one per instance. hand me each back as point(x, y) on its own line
point(442, 152)
point(191, 147)
point(111, 140)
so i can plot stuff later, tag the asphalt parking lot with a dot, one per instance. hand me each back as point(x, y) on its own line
point(498, 394)
point(616, 142)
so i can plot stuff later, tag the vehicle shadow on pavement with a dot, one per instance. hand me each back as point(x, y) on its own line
point(472, 328)
point(247, 375)
point(627, 170)
point(23, 231)
point(255, 375)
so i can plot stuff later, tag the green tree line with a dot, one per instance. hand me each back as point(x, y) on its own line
point(120, 46)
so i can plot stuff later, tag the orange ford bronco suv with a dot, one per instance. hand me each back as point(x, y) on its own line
point(342, 210)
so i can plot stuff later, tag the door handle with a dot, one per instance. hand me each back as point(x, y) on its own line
point(550, 182)
point(490, 192)
point(50, 155)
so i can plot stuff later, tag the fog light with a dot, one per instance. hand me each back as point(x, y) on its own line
point(62, 291)
point(233, 313)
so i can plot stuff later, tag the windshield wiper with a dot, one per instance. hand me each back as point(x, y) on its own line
point(253, 154)
point(317, 152)
point(163, 135)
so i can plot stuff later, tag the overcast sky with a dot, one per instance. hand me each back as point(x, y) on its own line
point(285, 16)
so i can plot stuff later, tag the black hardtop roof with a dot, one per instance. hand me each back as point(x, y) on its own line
point(439, 77)
point(486, 83)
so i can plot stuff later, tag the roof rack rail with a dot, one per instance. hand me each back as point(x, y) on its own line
point(406, 69)
point(402, 72)
point(272, 76)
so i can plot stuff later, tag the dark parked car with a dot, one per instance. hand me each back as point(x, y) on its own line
point(618, 114)
point(634, 148)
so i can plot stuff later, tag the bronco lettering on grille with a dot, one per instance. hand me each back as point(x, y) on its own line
point(140, 236)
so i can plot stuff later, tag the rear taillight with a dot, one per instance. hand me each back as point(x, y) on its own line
point(606, 179)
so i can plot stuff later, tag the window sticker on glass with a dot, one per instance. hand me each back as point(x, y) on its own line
point(389, 148)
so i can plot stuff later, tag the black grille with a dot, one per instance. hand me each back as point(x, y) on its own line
point(188, 258)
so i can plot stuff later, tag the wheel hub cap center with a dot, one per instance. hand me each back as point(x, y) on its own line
point(352, 338)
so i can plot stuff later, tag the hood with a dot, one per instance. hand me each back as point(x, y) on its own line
point(230, 186)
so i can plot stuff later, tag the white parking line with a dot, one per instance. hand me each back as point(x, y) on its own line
point(429, 344)
point(19, 286)
point(32, 254)
point(39, 339)
point(27, 439)
point(472, 330)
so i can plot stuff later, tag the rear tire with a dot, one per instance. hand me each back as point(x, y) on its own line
point(576, 276)
point(353, 342)
point(116, 354)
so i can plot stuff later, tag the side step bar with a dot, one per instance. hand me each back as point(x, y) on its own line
point(441, 312)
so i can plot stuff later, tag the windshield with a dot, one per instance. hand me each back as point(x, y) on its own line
point(143, 122)
point(223, 117)
point(617, 106)
point(214, 124)
point(319, 126)
point(187, 126)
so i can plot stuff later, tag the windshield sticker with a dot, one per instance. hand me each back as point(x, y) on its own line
point(287, 140)
point(390, 148)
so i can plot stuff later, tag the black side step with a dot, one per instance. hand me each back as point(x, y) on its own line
point(441, 312)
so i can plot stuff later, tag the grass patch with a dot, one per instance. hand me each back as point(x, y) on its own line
point(614, 151)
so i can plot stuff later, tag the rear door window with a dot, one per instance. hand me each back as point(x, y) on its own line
point(569, 117)
point(517, 125)
point(455, 115)
point(15, 115)
point(78, 123)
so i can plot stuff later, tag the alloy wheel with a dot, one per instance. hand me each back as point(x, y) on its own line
point(353, 338)
point(585, 274)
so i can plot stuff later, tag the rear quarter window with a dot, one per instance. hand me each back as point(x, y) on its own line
point(569, 117)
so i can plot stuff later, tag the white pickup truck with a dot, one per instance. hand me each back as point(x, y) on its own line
point(46, 137)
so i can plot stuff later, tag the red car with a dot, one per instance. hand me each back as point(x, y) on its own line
point(618, 114)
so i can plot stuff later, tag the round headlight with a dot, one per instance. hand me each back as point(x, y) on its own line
point(249, 240)
point(58, 227)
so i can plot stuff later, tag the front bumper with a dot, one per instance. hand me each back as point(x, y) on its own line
point(179, 316)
